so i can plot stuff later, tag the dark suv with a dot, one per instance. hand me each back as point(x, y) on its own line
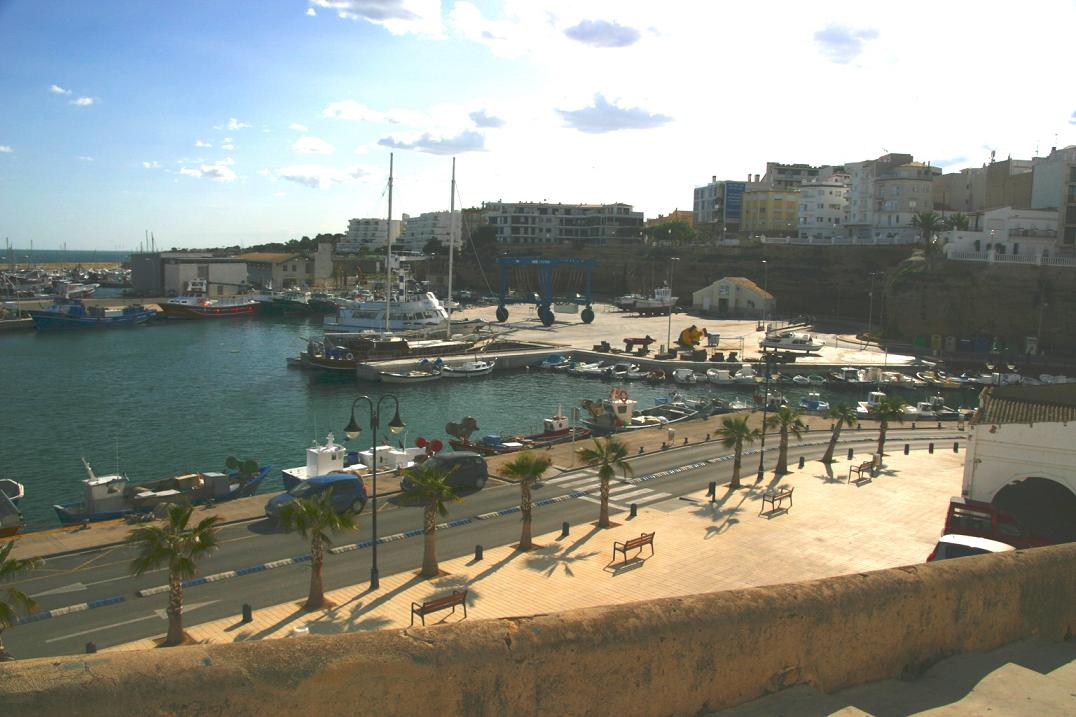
point(347, 492)
point(465, 470)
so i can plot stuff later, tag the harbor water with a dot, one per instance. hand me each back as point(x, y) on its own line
point(179, 397)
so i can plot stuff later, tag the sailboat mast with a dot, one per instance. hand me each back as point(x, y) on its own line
point(451, 247)
point(388, 252)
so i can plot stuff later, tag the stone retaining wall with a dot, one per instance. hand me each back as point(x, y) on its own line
point(675, 656)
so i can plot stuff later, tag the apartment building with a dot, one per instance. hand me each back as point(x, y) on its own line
point(770, 212)
point(544, 223)
point(1054, 187)
point(787, 176)
point(824, 205)
point(883, 196)
point(370, 233)
point(963, 191)
point(719, 203)
point(442, 226)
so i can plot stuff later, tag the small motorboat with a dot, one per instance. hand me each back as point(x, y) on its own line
point(865, 408)
point(815, 380)
point(424, 372)
point(552, 362)
point(12, 489)
point(470, 369)
point(801, 380)
point(771, 400)
point(619, 371)
point(684, 376)
point(595, 370)
point(739, 404)
point(791, 341)
point(656, 376)
point(813, 403)
point(581, 368)
point(719, 376)
point(746, 374)
point(11, 520)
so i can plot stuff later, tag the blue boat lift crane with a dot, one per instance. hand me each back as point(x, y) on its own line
point(543, 298)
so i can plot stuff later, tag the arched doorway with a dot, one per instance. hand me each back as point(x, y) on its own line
point(1043, 506)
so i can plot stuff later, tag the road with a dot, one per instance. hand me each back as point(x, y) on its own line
point(68, 583)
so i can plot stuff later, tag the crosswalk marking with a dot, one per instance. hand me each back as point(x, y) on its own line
point(653, 497)
point(599, 502)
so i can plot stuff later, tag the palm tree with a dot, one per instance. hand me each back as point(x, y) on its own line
point(315, 519)
point(177, 545)
point(890, 408)
point(429, 488)
point(608, 455)
point(13, 599)
point(787, 420)
point(958, 221)
point(928, 224)
point(734, 433)
point(842, 415)
point(528, 469)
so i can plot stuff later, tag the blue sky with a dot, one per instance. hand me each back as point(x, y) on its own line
point(215, 123)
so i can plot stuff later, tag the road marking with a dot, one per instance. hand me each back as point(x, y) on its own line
point(163, 613)
point(72, 588)
point(652, 497)
point(98, 629)
point(598, 501)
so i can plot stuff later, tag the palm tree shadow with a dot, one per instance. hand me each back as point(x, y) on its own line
point(547, 559)
point(358, 608)
point(266, 632)
point(722, 514)
point(830, 476)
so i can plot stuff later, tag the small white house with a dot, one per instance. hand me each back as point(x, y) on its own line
point(735, 297)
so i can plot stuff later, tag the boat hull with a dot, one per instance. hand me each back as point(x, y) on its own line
point(180, 311)
point(46, 320)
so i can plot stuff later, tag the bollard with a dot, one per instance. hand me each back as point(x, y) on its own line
point(831, 427)
point(707, 436)
point(939, 425)
point(913, 425)
point(807, 429)
point(850, 453)
point(91, 648)
point(858, 426)
point(633, 510)
point(711, 490)
point(478, 552)
point(640, 450)
point(956, 447)
point(930, 448)
point(685, 440)
point(564, 529)
point(801, 461)
point(248, 613)
point(907, 448)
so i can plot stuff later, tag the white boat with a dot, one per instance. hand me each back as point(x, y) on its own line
point(620, 371)
point(719, 376)
point(790, 341)
point(595, 370)
point(684, 376)
point(866, 408)
point(660, 302)
point(431, 372)
point(739, 404)
point(470, 369)
point(801, 380)
point(409, 309)
point(12, 489)
point(746, 374)
point(852, 375)
point(578, 369)
point(813, 403)
point(552, 362)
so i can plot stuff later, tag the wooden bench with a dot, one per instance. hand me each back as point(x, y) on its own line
point(634, 544)
point(858, 470)
point(442, 603)
point(776, 497)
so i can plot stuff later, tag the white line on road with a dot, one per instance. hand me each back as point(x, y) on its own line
point(156, 613)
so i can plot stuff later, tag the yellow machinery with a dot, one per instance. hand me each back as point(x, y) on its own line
point(691, 336)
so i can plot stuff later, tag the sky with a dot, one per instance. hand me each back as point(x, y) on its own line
point(225, 122)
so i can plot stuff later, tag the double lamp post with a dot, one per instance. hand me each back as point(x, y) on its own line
point(352, 431)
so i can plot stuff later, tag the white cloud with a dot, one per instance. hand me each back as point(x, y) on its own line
point(352, 111)
point(151, 165)
point(218, 172)
point(400, 17)
point(278, 194)
point(264, 172)
point(468, 140)
point(227, 143)
point(298, 127)
point(602, 33)
point(311, 12)
point(85, 158)
point(481, 119)
point(313, 145)
point(6, 149)
point(202, 144)
point(57, 90)
point(842, 44)
point(83, 101)
point(605, 116)
point(232, 124)
point(319, 176)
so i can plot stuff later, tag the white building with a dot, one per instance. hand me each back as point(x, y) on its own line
point(883, 196)
point(824, 205)
point(430, 225)
point(734, 297)
point(1053, 186)
point(1021, 456)
point(370, 234)
point(543, 223)
point(1007, 231)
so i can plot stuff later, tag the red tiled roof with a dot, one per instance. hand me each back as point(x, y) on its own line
point(1049, 403)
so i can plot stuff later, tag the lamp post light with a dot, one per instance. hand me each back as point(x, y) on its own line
point(668, 334)
point(352, 431)
point(767, 356)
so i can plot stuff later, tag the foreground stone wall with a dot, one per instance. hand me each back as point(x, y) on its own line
point(676, 656)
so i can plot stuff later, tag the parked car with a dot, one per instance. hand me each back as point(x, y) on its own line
point(348, 492)
point(960, 546)
point(466, 469)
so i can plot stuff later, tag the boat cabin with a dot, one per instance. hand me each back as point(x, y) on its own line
point(555, 424)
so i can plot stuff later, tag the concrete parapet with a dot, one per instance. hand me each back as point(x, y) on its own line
point(673, 656)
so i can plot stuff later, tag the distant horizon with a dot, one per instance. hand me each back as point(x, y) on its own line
point(235, 124)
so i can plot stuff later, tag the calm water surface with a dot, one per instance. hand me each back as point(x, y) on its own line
point(181, 396)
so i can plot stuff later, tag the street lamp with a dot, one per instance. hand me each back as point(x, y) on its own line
point(668, 335)
point(352, 431)
point(767, 356)
point(870, 306)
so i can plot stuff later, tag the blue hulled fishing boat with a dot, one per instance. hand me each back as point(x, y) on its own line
point(73, 314)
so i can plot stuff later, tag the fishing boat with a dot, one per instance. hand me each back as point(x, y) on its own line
point(323, 303)
point(14, 490)
point(11, 520)
point(196, 304)
point(791, 341)
point(552, 362)
point(684, 376)
point(617, 414)
point(114, 496)
point(343, 352)
point(582, 368)
point(293, 303)
point(621, 371)
point(939, 379)
point(813, 403)
point(865, 409)
point(719, 376)
point(73, 314)
point(410, 306)
point(850, 377)
point(801, 380)
point(71, 290)
point(739, 404)
point(423, 373)
point(330, 457)
point(469, 369)
point(746, 374)
point(770, 400)
point(660, 302)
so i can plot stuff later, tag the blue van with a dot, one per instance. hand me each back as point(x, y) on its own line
point(348, 492)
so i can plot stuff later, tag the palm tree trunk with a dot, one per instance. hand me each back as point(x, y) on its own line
point(429, 550)
point(881, 437)
point(603, 514)
point(175, 610)
point(827, 457)
point(525, 509)
point(782, 454)
point(2, 650)
point(735, 484)
point(316, 599)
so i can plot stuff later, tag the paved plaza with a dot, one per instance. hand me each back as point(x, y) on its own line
point(832, 528)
